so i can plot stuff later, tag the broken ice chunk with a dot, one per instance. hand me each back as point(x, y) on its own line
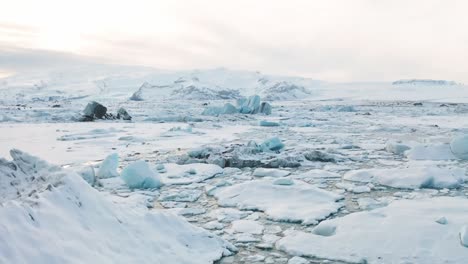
point(108, 168)
point(138, 175)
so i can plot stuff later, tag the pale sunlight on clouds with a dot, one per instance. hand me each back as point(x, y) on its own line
point(335, 40)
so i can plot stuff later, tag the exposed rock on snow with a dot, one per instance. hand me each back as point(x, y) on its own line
point(48, 205)
point(459, 146)
point(123, 114)
point(265, 155)
point(300, 202)
point(410, 178)
point(108, 167)
point(317, 155)
point(404, 231)
point(139, 175)
point(94, 110)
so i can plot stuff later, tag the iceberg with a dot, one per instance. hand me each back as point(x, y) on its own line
point(108, 168)
point(138, 175)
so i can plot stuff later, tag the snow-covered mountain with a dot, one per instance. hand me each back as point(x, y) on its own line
point(82, 83)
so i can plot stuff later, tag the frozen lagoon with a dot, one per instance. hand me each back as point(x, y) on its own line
point(347, 141)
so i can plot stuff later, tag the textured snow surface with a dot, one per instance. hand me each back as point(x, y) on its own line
point(410, 135)
point(411, 178)
point(406, 231)
point(300, 202)
point(189, 173)
point(65, 220)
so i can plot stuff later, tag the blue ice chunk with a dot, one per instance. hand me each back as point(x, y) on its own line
point(268, 123)
point(251, 106)
point(227, 109)
point(108, 167)
point(272, 144)
point(138, 175)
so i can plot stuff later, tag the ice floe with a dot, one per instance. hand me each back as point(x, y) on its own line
point(411, 177)
point(402, 232)
point(300, 202)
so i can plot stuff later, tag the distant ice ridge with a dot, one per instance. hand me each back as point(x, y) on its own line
point(251, 105)
point(428, 82)
point(51, 215)
point(285, 91)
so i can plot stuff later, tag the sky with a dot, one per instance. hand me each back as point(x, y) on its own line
point(334, 40)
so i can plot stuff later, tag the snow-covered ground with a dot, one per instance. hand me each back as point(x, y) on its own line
point(360, 172)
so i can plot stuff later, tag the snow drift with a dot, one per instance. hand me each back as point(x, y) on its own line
point(51, 215)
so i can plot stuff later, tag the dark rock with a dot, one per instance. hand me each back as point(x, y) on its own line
point(94, 110)
point(86, 119)
point(249, 155)
point(320, 156)
point(417, 104)
point(110, 116)
point(123, 114)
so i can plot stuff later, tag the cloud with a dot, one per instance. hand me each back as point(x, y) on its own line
point(336, 40)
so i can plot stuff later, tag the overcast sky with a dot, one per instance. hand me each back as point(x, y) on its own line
point(347, 40)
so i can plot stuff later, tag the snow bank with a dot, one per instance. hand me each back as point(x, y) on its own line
point(139, 175)
point(411, 178)
point(299, 202)
point(403, 232)
point(53, 216)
